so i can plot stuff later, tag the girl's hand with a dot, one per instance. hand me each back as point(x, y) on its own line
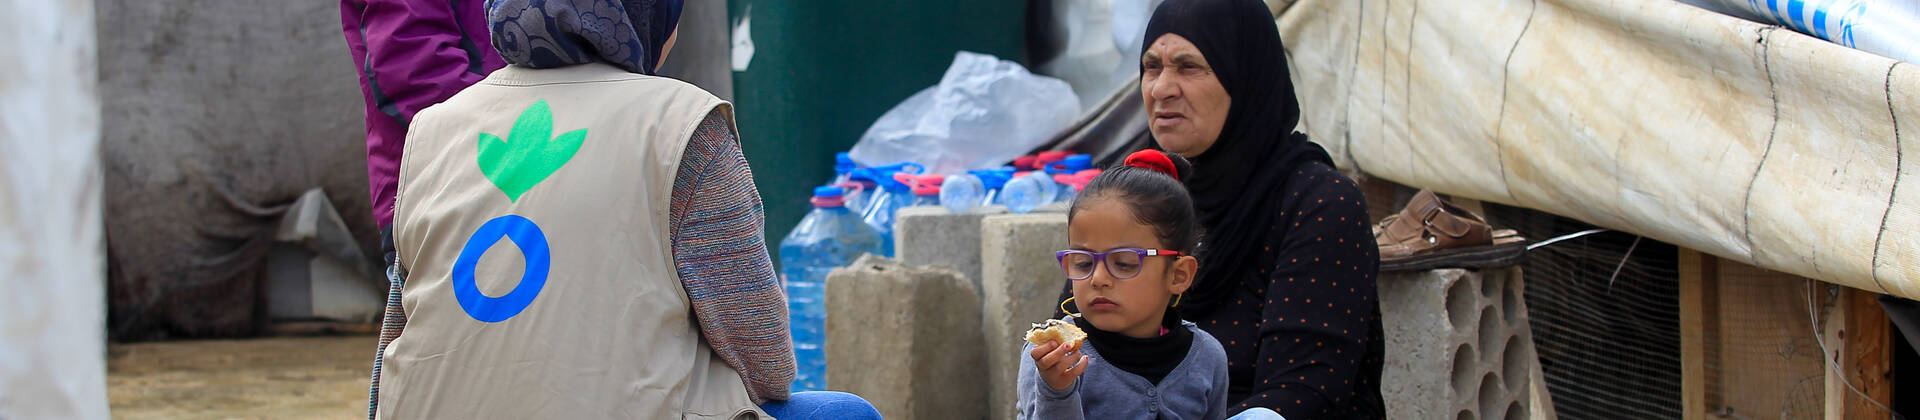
point(1059, 365)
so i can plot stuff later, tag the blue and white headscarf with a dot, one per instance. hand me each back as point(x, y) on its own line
point(628, 34)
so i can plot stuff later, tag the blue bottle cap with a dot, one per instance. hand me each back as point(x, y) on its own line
point(1079, 162)
point(828, 191)
point(993, 179)
point(843, 163)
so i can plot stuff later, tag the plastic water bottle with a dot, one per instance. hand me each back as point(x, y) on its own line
point(1064, 174)
point(830, 236)
point(993, 180)
point(1028, 192)
point(1061, 190)
point(889, 198)
point(863, 186)
point(858, 193)
point(1072, 185)
point(859, 189)
point(855, 191)
point(961, 193)
point(843, 165)
point(1067, 189)
point(926, 189)
point(977, 188)
point(926, 196)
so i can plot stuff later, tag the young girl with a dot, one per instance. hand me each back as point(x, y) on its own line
point(1132, 230)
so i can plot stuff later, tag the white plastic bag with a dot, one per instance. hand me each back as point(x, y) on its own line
point(985, 112)
point(1099, 44)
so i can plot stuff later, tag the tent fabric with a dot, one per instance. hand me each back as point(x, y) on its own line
point(1738, 139)
point(52, 339)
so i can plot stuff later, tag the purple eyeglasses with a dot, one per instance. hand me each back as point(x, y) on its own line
point(1122, 263)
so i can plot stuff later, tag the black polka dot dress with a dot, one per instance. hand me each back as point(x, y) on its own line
point(1302, 330)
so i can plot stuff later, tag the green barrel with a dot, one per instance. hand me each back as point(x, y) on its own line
point(824, 70)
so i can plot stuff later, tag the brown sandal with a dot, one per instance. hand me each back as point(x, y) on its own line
point(1432, 233)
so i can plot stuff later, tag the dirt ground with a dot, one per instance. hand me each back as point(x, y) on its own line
point(321, 377)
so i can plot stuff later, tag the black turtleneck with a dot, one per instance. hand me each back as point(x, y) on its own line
point(1151, 358)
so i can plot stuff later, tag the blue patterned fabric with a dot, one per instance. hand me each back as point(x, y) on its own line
point(628, 34)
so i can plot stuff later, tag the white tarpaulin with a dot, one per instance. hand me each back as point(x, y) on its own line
point(53, 314)
point(1746, 141)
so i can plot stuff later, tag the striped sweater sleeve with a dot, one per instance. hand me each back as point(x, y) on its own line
point(721, 255)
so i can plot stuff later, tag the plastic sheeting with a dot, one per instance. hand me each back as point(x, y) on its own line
point(52, 318)
point(1097, 43)
point(1885, 27)
point(1738, 139)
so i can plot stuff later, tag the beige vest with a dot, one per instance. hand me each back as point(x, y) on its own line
point(609, 334)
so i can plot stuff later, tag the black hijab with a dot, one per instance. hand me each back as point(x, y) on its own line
point(1236, 182)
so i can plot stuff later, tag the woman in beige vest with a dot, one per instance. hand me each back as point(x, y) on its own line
point(580, 239)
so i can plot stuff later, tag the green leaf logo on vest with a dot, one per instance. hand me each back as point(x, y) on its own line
point(515, 165)
point(529, 154)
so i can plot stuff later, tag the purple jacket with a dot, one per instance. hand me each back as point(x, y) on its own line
point(411, 54)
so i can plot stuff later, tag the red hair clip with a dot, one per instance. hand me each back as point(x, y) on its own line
point(1154, 160)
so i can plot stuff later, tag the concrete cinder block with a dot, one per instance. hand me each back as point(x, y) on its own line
point(1020, 283)
point(907, 339)
point(934, 236)
point(1458, 345)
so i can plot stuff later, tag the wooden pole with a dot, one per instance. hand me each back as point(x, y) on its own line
point(1859, 343)
point(1699, 322)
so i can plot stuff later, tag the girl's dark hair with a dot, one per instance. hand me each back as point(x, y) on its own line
point(1157, 199)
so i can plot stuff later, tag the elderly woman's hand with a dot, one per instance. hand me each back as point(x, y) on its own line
point(1058, 365)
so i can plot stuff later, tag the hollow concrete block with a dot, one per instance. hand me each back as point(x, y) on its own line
point(1020, 283)
point(907, 339)
point(1458, 345)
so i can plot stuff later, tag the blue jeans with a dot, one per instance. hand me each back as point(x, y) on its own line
point(1257, 413)
point(821, 405)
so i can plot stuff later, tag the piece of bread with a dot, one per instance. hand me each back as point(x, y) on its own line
point(1055, 330)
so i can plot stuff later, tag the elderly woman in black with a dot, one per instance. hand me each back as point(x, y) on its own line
point(1287, 261)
